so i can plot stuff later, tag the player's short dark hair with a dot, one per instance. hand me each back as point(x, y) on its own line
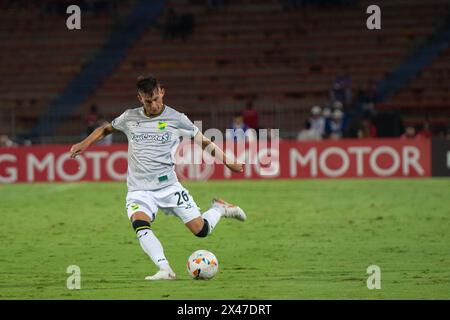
point(147, 84)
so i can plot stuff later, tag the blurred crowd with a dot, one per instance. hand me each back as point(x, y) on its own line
point(346, 115)
point(242, 121)
point(355, 116)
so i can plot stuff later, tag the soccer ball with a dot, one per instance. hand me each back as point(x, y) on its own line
point(202, 264)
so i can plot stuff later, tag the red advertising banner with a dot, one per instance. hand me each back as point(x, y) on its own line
point(381, 158)
point(53, 163)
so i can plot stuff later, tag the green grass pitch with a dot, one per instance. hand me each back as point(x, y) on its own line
point(304, 239)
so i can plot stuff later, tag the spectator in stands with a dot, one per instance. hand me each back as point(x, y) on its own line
point(346, 117)
point(317, 121)
point(92, 119)
point(327, 115)
point(410, 133)
point(334, 127)
point(424, 131)
point(337, 105)
point(238, 129)
point(341, 90)
point(251, 116)
point(367, 129)
point(367, 97)
point(6, 142)
point(307, 133)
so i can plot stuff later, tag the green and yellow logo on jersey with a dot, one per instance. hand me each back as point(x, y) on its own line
point(162, 125)
point(134, 206)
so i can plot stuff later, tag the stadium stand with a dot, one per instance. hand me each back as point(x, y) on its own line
point(285, 61)
point(45, 56)
point(262, 53)
point(427, 96)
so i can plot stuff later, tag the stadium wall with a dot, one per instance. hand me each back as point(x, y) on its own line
point(371, 158)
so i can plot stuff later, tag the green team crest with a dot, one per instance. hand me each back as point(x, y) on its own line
point(162, 125)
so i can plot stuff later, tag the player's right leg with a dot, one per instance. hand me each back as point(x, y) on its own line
point(175, 199)
point(204, 225)
point(139, 210)
point(230, 210)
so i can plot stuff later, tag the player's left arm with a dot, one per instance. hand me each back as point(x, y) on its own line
point(96, 135)
point(216, 152)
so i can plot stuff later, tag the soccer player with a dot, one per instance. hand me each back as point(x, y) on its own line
point(153, 131)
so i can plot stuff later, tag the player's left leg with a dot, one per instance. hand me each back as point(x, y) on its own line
point(152, 247)
point(141, 211)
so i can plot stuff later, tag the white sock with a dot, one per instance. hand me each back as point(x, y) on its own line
point(151, 246)
point(213, 216)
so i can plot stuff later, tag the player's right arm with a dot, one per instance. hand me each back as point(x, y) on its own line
point(95, 136)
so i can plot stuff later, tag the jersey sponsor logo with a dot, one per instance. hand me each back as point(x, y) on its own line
point(160, 138)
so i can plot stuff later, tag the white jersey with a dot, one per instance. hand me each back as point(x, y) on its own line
point(152, 142)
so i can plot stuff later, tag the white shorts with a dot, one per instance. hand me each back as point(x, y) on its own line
point(173, 199)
